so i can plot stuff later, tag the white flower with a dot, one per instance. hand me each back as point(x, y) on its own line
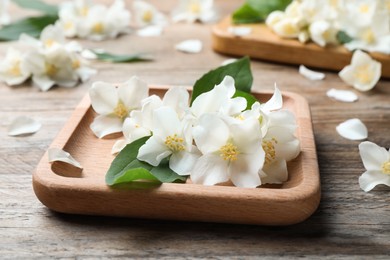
point(140, 122)
point(113, 104)
point(280, 146)
point(287, 28)
point(376, 160)
point(195, 10)
point(146, 14)
point(13, 69)
point(274, 17)
point(229, 152)
point(171, 137)
point(54, 66)
point(95, 22)
point(322, 32)
point(219, 100)
point(4, 16)
point(363, 73)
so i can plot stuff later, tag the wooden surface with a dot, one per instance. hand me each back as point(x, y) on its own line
point(263, 44)
point(348, 223)
point(65, 189)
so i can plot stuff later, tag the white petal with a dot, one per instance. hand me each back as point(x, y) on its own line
point(104, 125)
point(240, 31)
point(275, 102)
point(23, 125)
point(56, 154)
point(210, 169)
point(183, 162)
point(118, 146)
point(228, 61)
point(311, 74)
point(352, 129)
point(189, 46)
point(373, 156)
point(150, 31)
point(132, 92)
point(88, 54)
point(342, 95)
point(104, 97)
point(43, 82)
point(244, 171)
point(153, 151)
point(275, 173)
point(369, 179)
point(165, 122)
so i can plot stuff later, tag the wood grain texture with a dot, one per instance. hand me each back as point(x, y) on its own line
point(66, 189)
point(263, 44)
point(349, 223)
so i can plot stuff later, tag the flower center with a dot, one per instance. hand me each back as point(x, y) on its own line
point(368, 36)
point(68, 25)
point(174, 143)
point(98, 28)
point(147, 16)
point(76, 64)
point(386, 167)
point(49, 43)
point(51, 70)
point(15, 69)
point(229, 152)
point(121, 110)
point(363, 74)
point(269, 149)
point(84, 11)
point(195, 8)
point(290, 29)
point(364, 8)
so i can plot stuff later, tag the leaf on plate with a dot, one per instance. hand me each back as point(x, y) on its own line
point(32, 26)
point(240, 70)
point(38, 6)
point(343, 37)
point(120, 58)
point(254, 11)
point(127, 168)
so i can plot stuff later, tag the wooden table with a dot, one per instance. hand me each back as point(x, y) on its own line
point(349, 223)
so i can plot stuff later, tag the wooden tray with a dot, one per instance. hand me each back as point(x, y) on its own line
point(66, 190)
point(263, 44)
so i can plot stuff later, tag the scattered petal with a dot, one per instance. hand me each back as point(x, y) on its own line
point(342, 95)
point(88, 54)
point(228, 61)
point(150, 31)
point(56, 154)
point(310, 74)
point(189, 46)
point(23, 125)
point(352, 129)
point(240, 30)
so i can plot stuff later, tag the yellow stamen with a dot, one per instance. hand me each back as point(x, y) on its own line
point(368, 36)
point(68, 25)
point(49, 43)
point(15, 69)
point(195, 7)
point(364, 8)
point(363, 74)
point(98, 28)
point(51, 70)
point(76, 64)
point(121, 110)
point(174, 143)
point(386, 167)
point(334, 3)
point(269, 149)
point(147, 16)
point(84, 11)
point(229, 152)
point(289, 29)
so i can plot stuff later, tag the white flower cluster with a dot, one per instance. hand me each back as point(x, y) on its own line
point(215, 140)
point(195, 10)
point(83, 19)
point(367, 22)
point(48, 61)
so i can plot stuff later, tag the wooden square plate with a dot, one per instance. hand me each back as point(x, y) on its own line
point(263, 44)
point(64, 189)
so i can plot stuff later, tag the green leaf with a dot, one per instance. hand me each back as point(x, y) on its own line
point(254, 11)
point(126, 168)
point(38, 5)
point(343, 37)
point(250, 99)
point(32, 26)
point(239, 70)
point(105, 56)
